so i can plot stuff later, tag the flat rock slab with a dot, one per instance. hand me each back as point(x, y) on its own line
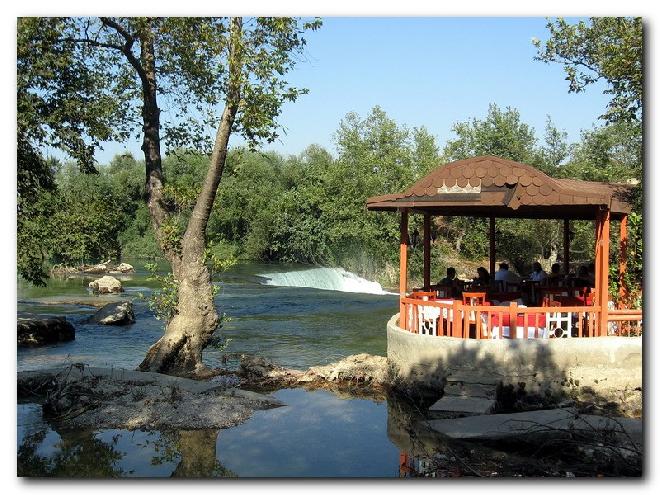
point(87, 397)
point(463, 389)
point(70, 374)
point(460, 404)
point(501, 426)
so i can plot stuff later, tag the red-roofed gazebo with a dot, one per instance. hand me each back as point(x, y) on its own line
point(492, 187)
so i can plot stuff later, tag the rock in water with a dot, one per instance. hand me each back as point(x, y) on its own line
point(118, 313)
point(106, 285)
point(36, 332)
point(125, 268)
point(358, 368)
point(100, 268)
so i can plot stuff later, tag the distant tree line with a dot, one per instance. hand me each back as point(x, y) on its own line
point(310, 208)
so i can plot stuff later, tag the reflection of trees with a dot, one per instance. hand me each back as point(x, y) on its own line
point(80, 455)
point(196, 451)
point(198, 456)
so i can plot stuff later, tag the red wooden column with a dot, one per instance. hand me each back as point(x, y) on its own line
point(603, 267)
point(491, 255)
point(403, 267)
point(623, 257)
point(427, 251)
point(567, 245)
point(597, 265)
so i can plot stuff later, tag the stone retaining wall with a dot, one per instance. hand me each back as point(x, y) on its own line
point(602, 363)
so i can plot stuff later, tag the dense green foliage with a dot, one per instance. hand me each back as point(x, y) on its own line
point(61, 102)
point(310, 208)
point(82, 219)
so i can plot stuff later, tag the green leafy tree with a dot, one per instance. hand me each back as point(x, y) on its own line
point(64, 100)
point(375, 156)
point(196, 64)
point(612, 153)
point(608, 49)
point(86, 220)
point(61, 102)
point(501, 133)
point(555, 149)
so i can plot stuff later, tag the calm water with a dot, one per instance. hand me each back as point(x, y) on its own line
point(315, 434)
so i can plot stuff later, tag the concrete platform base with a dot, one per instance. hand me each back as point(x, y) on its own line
point(462, 405)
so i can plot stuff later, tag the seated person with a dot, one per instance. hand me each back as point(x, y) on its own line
point(482, 281)
point(451, 281)
point(506, 276)
point(582, 278)
point(555, 276)
point(537, 275)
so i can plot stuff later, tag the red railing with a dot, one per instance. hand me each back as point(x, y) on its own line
point(452, 318)
point(626, 322)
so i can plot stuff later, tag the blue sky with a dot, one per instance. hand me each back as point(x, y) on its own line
point(430, 72)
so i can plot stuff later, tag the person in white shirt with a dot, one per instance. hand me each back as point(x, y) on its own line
point(537, 275)
point(505, 275)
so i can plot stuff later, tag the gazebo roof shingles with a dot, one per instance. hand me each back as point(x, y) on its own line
point(505, 184)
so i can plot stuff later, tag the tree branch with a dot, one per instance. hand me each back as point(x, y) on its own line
point(126, 49)
point(120, 29)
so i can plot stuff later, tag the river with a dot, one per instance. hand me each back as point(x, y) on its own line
point(297, 316)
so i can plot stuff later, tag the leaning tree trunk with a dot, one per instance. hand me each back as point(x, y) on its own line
point(179, 350)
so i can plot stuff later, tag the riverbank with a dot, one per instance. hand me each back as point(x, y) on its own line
point(326, 427)
point(79, 396)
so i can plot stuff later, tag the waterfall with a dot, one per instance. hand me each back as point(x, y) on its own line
point(324, 278)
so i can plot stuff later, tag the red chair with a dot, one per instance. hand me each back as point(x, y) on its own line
point(585, 294)
point(424, 295)
point(474, 298)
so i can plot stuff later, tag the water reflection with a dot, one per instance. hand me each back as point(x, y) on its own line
point(75, 454)
point(317, 434)
point(422, 451)
point(48, 451)
point(191, 453)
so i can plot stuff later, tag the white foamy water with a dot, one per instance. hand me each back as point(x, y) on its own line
point(324, 278)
